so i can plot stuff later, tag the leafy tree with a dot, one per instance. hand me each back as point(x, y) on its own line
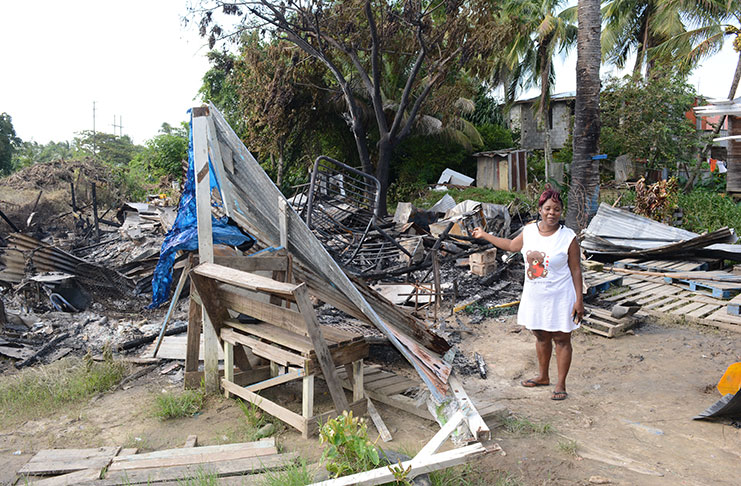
point(584, 188)
point(109, 148)
point(219, 88)
point(646, 119)
point(9, 142)
point(164, 154)
point(374, 47)
point(29, 153)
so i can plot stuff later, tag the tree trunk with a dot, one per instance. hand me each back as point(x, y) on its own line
point(385, 151)
point(716, 130)
point(584, 188)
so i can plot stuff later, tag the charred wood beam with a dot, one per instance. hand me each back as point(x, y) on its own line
point(41, 352)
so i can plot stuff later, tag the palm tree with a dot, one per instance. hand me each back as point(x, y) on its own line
point(584, 170)
point(638, 26)
point(540, 34)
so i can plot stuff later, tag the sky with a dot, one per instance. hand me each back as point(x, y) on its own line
point(139, 64)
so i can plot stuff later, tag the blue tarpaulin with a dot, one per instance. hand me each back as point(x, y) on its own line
point(184, 233)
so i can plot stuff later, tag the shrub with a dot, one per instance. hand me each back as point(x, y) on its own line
point(347, 449)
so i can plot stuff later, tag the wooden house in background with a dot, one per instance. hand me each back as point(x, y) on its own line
point(504, 170)
point(731, 109)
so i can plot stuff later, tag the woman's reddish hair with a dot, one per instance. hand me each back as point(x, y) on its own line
point(549, 193)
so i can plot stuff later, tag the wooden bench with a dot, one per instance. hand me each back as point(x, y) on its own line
point(282, 329)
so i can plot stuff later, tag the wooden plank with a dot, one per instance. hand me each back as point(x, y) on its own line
point(660, 302)
point(189, 451)
point(434, 444)
point(69, 479)
point(673, 305)
point(307, 400)
point(291, 418)
point(475, 423)
point(264, 350)
point(245, 280)
point(244, 302)
point(59, 461)
point(294, 374)
point(398, 387)
point(687, 308)
point(174, 473)
point(192, 351)
point(401, 402)
point(391, 380)
point(704, 310)
point(329, 369)
point(228, 364)
point(195, 457)
point(275, 334)
point(253, 263)
point(191, 441)
point(383, 431)
point(358, 382)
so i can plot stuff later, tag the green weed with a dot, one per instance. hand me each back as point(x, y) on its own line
point(467, 475)
point(176, 405)
point(523, 426)
point(568, 447)
point(295, 474)
point(347, 448)
point(201, 478)
point(38, 391)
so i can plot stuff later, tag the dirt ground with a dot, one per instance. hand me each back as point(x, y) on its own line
point(631, 400)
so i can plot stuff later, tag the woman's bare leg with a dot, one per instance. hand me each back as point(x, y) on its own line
point(563, 358)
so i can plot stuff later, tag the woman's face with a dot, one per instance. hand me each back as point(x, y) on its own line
point(550, 212)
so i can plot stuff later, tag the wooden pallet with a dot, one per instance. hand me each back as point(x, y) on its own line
point(734, 306)
point(659, 298)
point(719, 290)
point(600, 321)
point(596, 282)
point(667, 265)
point(389, 388)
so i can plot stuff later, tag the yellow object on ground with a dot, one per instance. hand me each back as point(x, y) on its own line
point(730, 382)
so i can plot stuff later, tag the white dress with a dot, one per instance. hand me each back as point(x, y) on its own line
point(548, 294)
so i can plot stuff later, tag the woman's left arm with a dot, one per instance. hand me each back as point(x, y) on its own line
point(575, 267)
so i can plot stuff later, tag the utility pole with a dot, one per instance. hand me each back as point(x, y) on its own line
point(94, 147)
point(120, 125)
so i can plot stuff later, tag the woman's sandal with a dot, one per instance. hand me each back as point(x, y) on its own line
point(532, 383)
point(559, 395)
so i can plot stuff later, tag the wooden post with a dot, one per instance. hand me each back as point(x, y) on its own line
point(205, 241)
point(357, 380)
point(192, 349)
point(436, 275)
point(322, 351)
point(173, 303)
point(228, 365)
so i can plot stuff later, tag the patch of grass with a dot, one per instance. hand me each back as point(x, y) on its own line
point(468, 475)
point(295, 474)
point(568, 447)
point(42, 390)
point(177, 405)
point(201, 478)
point(523, 426)
point(134, 442)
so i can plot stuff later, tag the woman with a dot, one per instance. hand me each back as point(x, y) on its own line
point(551, 305)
